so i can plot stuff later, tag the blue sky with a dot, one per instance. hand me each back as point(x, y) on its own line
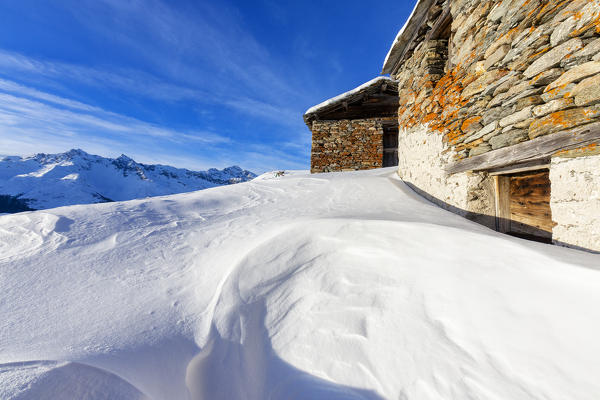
point(189, 83)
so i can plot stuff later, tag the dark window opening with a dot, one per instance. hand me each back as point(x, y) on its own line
point(438, 40)
point(444, 38)
point(390, 146)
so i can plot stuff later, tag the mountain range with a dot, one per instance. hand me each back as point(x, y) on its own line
point(46, 181)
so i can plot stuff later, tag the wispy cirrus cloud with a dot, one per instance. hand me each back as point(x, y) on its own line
point(13, 87)
point(126, 80)
point(146, 85)
point(28, 116)
point(207, 45)
point(197, 83)
point(274, 114)
point(34, 121)
point(32, 113)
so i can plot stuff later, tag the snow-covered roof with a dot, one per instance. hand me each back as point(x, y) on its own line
point(373, 84)
point(404, 35)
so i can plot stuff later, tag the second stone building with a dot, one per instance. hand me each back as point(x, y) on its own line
point(356, 130)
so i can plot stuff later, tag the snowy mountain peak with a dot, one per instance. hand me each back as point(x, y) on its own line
point(77, 177)
point(76, 153)
point(125, 159)
point(128, 165)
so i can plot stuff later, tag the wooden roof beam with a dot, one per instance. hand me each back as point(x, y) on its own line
point(536, 149)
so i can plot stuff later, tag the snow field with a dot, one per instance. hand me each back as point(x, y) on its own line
point(333, 286)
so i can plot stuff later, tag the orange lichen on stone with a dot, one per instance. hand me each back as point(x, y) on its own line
point(468, 79)
point(469, 146)
point(558, 90)
point(452, 103)
point(439, 109)
point(454, 137)
point(525, 3)
point(469, 122)
point(538, 77)
point(535, 11)
point(511, 32)
point(539, 53)
point(595, 23)
point(589, 150)
point(430, 117)
point(553, 6)
point(561, 120)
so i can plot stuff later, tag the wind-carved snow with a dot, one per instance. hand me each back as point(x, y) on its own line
point(76, 177)
point(332, 286)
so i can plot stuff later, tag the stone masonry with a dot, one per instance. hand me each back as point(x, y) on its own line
point(347, 145)
point(509, 71)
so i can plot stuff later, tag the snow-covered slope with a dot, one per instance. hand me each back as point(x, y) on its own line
point(76, 177)
point(336, 286)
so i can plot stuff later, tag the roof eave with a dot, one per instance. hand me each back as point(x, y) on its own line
point(405, 35)
point(313, 112)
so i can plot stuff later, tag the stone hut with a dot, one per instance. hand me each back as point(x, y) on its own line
point(356, 130)
point(499, 113)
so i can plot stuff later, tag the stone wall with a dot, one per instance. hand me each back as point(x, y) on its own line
point(347, 145)
point(516, 70)
point(511, 71)
point(575, 201)
point(421, 164)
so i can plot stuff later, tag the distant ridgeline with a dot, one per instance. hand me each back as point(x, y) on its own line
point(76, 177)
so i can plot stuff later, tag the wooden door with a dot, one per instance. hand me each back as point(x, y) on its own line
point(390, 146)
point(523, 205)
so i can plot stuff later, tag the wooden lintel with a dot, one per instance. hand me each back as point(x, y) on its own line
point(536, 149)
point(522, 167)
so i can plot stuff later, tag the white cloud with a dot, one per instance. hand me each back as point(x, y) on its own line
point(131, 81)
point(33, 113)
point(202, 59)
point(207, 46)
point(266, 111)
point(32, 121)
point(13, 87)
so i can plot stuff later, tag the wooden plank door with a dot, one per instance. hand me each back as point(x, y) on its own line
point(523, 205)
point(390, 146)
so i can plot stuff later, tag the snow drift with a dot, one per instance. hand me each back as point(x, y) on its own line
point(336, 286)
